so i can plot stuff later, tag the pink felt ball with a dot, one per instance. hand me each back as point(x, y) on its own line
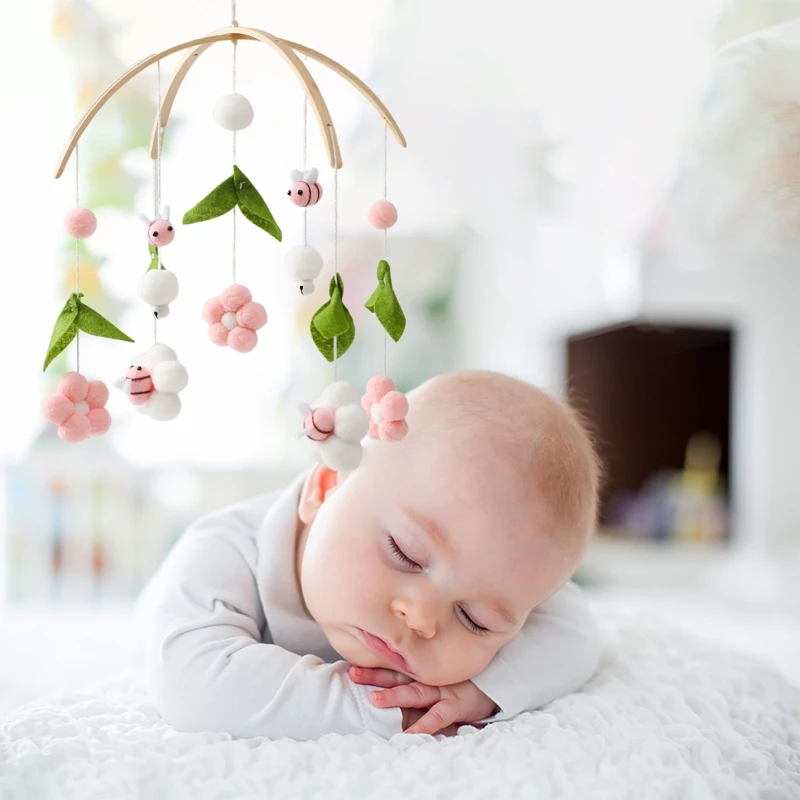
point(218, 334)
point(252, 315)
point(99, 421)
point(56, 408)
point(378, 386)
point(80, 223)
point(213, 311)
point(394, 406)
point(73, 386)
point(75, 428)
point(382, 214)
point(234, 297)
point(242, 340)
point(393, 431)
point(161, 232)
point(97, 396)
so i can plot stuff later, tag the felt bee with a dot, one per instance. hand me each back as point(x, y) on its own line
point(305, 191)
point(159, 231)
point(138, 384)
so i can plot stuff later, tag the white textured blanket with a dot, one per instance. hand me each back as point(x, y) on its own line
point(667, 716)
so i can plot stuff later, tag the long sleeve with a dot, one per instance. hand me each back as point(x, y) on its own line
point(555, 653)
point(207, 666)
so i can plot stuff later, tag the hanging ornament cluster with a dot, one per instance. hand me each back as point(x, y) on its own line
point(153, 380)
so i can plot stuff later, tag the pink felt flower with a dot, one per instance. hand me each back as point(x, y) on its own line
point(387, 409)
point(78, 408)
point(234, 318)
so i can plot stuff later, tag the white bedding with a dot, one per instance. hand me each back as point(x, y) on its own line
point(667, 716)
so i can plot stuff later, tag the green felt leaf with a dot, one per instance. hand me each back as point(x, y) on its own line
point(333, 321)
point(253, 206)
point(95, 324)
point(384, 304)
point(64, 331)
point(216, 203)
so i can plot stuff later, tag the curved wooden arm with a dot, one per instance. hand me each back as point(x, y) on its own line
point(200, 45)
point(312, 90)
point(78, 130)
point(357, 82)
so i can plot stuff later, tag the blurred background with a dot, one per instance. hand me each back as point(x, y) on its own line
point(601, 199)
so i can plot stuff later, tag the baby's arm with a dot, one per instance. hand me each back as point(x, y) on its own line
point(206, 665)
point(555, 653)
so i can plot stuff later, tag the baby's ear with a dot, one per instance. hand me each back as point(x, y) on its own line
point(321, 481)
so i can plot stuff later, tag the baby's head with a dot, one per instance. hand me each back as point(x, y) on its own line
point(442, 544)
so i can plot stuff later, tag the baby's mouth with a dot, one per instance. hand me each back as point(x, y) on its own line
point(381, 648)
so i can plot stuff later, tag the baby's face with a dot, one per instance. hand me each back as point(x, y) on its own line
point(426, 552)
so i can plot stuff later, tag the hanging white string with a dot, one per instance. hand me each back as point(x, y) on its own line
point(305, 151)
point(157, 177)
point(335, 241)
point(385, 232)
point(234, 24)
point(77, 265)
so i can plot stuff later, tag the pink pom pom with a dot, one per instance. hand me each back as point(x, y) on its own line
point(75, 428)
point(234, 297)
point(97, 396)
point(391, 431)
point(161, 232)
point(382, 214)
point(378, 386)
point(73, 386)
point(252, 315)
point(99, 421)
point(394, 406)
point(218, 334)
point(80, 223)
point(242, 340)
point(56, 408)
point(213, 311)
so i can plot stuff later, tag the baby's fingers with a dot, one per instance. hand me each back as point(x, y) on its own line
point(439, 719)
point(414, 695)
point(372, 676)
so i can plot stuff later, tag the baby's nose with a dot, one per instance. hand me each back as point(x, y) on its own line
point(420, 617)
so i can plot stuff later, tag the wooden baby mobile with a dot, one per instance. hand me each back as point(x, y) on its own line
point(341, 417)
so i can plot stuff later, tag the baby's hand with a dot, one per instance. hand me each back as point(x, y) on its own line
point(446, 705)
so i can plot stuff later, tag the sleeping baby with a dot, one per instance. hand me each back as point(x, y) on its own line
point(429, 588)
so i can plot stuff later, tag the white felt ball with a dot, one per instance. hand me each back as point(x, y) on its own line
point(154, 354)
point(351, 423)
point(161, 312)
point(233, 112)
point(158, 287)
point(163, 406)
point(170, 376)
point(340, 393)
point(307, 288)
point(229, 320)
point(376, 414)
point(339, 455)
point(304, 263)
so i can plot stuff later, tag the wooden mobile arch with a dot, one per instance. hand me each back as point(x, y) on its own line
point(288, 50)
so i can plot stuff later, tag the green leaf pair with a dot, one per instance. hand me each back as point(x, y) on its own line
point(233, 191)
point(333, 321)
point(383, 303)
point(75, 316)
